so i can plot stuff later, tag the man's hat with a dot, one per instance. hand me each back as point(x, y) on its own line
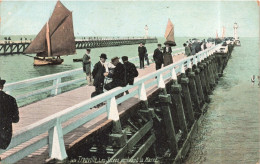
point(124, 58)
point(114, 58)
point(159, 45)
point(104, 56)
point(88, 49)
point(2, 82)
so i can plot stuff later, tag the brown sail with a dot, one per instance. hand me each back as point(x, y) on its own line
point(61, 33)
point(169, 34)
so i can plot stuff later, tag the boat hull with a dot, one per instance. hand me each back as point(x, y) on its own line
point(48, 61)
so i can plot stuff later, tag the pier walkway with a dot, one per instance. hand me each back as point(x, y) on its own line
point(32, 136)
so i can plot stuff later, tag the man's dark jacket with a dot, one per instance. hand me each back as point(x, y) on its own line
point(158, 56)
point(118, 76)
point(98, 74)
point(131, 72)
point(8, 114)
point(142, 51)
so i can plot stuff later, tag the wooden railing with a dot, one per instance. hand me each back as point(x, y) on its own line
point(57, 84)
point(50, 128)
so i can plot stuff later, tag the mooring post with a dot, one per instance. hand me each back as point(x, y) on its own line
point(203, 82)
point(176, 95)
point(206, 74)
point(215, 75)
point(199, 85)
point(220, 64)
point(187, 100)
point(118, 137)
point(194, 92)
point(210, 74)
point(165, 100)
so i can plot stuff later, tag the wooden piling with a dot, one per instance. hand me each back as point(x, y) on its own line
point(187, 100)
point(194, 92)
point(199, 85)
point(165, 100)
point(176, 95)
point(203, 82)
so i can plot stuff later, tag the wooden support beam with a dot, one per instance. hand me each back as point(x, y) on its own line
point(165, 100)
point(176, 88)
point(187, 100)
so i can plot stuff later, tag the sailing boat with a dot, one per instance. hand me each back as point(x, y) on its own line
point(223, 32)
point(55, 39)
point(169, 34)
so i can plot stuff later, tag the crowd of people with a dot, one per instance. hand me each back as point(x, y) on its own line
point(193, 46)
point(109, 75)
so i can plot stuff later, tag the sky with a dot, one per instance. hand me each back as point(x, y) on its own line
point(128, 18)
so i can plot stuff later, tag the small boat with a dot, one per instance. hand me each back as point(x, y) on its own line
point(55, 39)
point(169, 34)
point(77, 60)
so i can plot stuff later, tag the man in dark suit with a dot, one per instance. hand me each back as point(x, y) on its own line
point(118, 77)
point(130, 71)
point(158, 57)
point(141, 53)
point(99, 73)
point(8, 114)
point(187, 50)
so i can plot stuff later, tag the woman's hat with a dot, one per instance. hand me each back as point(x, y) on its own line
point(114, 58)
point(104, 56)
point(2, 82)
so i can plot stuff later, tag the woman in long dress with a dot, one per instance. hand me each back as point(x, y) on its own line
point(167, 55)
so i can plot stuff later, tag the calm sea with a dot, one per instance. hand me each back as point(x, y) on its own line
point(19, 67)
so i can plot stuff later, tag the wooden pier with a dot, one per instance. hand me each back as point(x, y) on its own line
point(16, 47)
point(166, 104)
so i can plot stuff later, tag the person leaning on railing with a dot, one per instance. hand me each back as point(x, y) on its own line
point(118, 77)
point(130, 72)
point(8, 114)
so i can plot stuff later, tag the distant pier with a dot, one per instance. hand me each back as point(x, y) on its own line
point(17, 47)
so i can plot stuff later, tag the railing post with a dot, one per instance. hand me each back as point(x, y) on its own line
point(56, 142)
point(173, 74)
point(56, 90)
point(142, 92)
point(161, 84)
point(118, 137)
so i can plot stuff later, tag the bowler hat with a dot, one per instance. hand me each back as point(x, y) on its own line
point(114, 58)
point(104, 56)
point(2, 82)
point(124, 58)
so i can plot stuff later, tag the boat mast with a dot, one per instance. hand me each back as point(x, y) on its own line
point(48, 39)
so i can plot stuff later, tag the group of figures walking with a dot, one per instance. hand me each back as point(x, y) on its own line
point(108, 75)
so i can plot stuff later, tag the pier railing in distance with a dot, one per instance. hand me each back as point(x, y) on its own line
point(75, 76)
point(52, 132)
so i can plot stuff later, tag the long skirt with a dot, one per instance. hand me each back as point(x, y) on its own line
point(167, 60)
